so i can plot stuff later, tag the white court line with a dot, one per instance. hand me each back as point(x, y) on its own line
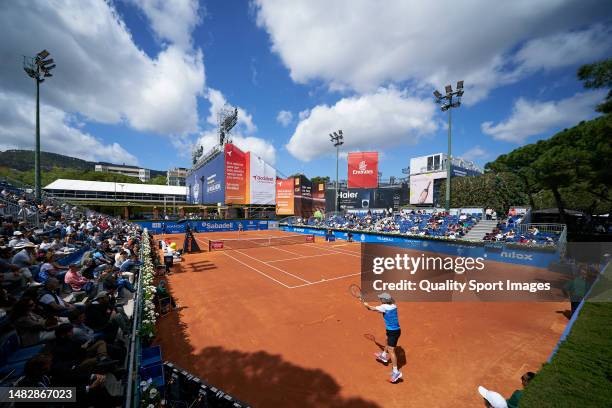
point(257, 270)
point(272, 266)
point(299, 257)
point(284, 250)
point(325, 280)
point(349, 253)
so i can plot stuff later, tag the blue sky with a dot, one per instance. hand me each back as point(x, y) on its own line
point(141, 81)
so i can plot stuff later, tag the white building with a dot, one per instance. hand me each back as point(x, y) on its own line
point(83, 190)
point(143, 174)
point(176, 176)
point(437, 162)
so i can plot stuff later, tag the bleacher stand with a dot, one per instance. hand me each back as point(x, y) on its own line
point(64, 296)
point(410, 223)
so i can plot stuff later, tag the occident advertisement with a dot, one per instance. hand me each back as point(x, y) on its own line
point(211, 176)
point(421, 187)
point(262, 178)
point(318, 197)
point(284, 196)
point(235, 175)
point(363, 170)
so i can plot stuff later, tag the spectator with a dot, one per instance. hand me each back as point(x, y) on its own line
point(52, 302)
point(31, 327)
point(77, 281)
point(513, 401)
point(492, 399)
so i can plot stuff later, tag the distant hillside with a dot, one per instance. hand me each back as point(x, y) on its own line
point(23, 160)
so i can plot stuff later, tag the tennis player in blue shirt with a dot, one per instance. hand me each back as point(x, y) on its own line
point(388, 308)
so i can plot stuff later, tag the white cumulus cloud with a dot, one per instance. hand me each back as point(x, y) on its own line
point(363, 44)
point(101, 74)
point(284, 117)
point(384, 118)
point(58, 133)
point(531, 118)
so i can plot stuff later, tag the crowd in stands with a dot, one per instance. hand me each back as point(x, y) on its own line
point(507, 230)
point(414, 222)
point(65, 284)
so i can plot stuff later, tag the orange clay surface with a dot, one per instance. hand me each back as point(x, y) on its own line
point(276, 327)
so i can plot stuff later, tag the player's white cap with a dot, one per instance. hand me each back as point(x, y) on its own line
point(385, 297)
point(494, 398)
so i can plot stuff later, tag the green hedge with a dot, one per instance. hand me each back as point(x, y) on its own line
point(580, 374)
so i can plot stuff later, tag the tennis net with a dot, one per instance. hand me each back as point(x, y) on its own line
point(245, 243)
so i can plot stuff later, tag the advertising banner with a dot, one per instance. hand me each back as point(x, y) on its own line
point(363, 170)
point(173, 227)
point(235, 175)
point(262, 178)
point(350, 199)
point(284, 196)
point(388, 198)
point(302, 190)
point(318, 197)
point(421, 188)
point(193, 189)
point(212, 176)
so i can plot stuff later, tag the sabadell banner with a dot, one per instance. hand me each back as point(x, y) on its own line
point(363, 170)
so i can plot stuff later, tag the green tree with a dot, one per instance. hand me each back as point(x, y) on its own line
point(598, 75)
point(320, 179)
point(161, 180)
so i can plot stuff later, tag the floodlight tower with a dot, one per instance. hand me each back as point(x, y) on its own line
point(337, 138)
point(452, 99)
point(38, 68)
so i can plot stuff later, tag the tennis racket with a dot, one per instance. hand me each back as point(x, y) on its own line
point(355, 291)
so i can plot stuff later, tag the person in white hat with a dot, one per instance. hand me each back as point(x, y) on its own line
point(18, 239)
point(388, 308)
point(492, 399)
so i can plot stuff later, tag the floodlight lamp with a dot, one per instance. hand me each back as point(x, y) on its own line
point(340, 131)
point(459, 85)
point(43, 54)
point(460, 93)
point(437, 94)
point(47, 75)
point(448, 89)
point(50, 67)
point(445, 108)
point(44, 62)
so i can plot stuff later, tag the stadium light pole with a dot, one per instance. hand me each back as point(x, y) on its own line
point(38, 68)
point(451, 99)
point(337, 138)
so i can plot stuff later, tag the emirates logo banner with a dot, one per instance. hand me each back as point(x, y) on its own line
point(363, 170)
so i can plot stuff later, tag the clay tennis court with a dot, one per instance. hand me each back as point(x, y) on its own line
point(276, 327)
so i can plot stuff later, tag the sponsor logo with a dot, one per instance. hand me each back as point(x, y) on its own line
point(387, 239)
point(363, 169)
point(299, 230)
point(362, 237)
point(218, 225)
point(265, 179)
point(211, 188)
point(309, 238)
point(515, 255)
point(347, 194)
point(216, 244)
